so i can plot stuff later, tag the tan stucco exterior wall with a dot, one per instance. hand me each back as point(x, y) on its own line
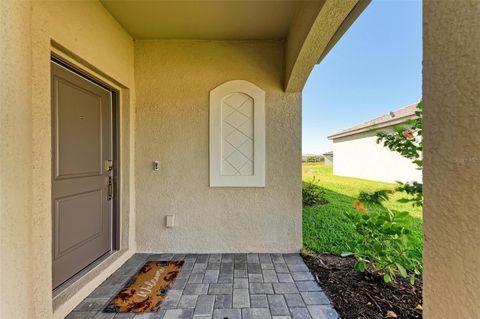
point(92, 39)
point(451, 82)
point(173, 81)
point(15, 160)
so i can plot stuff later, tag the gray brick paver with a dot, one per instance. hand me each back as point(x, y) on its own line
point(240, 266)
point(178, 314)
point(215, 258)
point(256, 313)
point(102, 315)
point(255, 278)
point(204, 305)
point(241, 298)
point(293, 259)
point(267, 266)
point(302, 276)
point(220, 289)
point(278, 306)
point(294, 301)
point(260, 288)
point(240, 283)
point(213, 266)
point(284, 277)
point(265, 258)
point(223, 301)
point(81, 315)
point(307, 286)
point(179, 284)
point(270, 276)
point(149, 315)
point(227, 313)
point(253, 259)
point(298, 268)
point(124, 315)
point(322, 312)
point(227, 258)
point(203, 258)
point(285, 288)
point(300, 313)
point(187, 301)
point(199, 268)
point(239, 273)
point(258, 301)
point(211, 276)
point(277, 258)
point(195, 289)
point(173, 297)
point(225, 277)
point(195, 278)
point(315, 298)
point(254, 269)
point(281, 268)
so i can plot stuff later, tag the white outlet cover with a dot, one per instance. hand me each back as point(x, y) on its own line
point(170, 221)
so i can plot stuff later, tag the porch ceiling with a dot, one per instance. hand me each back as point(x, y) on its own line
point(207, 20)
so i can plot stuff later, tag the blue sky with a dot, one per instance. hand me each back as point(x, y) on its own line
point(375, 68)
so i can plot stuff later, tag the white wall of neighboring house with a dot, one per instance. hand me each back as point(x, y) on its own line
point(360, 156)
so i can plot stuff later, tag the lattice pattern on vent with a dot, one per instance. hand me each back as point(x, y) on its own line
point(237, 135)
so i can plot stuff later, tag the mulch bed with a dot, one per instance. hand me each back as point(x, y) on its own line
point(359, 295)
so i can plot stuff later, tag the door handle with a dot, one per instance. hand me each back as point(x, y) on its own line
point(108, 165)
point(110, 188)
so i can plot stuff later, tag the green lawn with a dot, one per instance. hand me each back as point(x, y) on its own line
point(325, 229)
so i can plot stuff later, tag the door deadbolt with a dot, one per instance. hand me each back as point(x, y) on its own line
point(110, 188)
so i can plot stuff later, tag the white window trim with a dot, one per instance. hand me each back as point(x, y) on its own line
point(216, 97)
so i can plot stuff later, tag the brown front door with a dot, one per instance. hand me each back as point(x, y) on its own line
point(81, 172)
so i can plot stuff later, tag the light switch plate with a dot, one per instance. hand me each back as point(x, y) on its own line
point(169, 221)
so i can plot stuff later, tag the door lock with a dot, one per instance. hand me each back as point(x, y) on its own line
point(110, 188)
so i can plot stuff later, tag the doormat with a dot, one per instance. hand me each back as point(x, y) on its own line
point(146, 290)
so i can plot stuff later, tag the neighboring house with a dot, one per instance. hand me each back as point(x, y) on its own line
point(328, 158)
point(357, 153)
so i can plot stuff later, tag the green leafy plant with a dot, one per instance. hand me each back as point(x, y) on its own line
point(384, 243)
point(406, 139)
point(312, 194)
point(376, 198)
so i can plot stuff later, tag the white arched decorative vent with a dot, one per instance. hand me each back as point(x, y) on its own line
point(237, 135)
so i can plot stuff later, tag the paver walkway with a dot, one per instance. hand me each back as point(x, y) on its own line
point(223, 286)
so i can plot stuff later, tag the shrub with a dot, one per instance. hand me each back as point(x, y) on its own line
point(312, 194)
point(375, 198)
point(385, 239)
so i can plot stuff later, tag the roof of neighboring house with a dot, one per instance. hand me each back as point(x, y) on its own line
point(328, 153)
point(390, 119)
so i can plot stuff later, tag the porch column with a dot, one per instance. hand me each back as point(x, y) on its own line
point(451, 89)
point(16, 287)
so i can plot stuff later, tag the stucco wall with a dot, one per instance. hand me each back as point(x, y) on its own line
point(451, 82)
point(173, 81)
point(96, 41)
point(360, 156)
point(15, 160)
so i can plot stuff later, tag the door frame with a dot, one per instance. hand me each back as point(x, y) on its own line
point(116, 240)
